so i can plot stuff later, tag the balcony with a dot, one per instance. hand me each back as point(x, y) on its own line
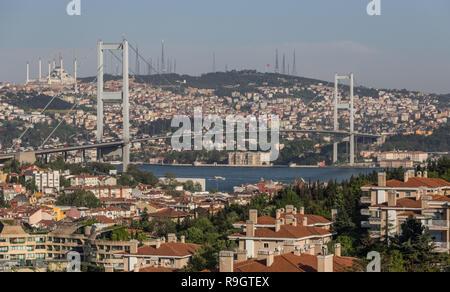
point(374, 220)
point(365, 212)
point(365, 224)
point(366, 200)
point(441, 245)
point(438, 224)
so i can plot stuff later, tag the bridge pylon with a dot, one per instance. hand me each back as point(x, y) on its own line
point(338, 105)
point(105, 97)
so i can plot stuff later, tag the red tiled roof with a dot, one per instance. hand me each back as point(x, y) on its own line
point(437, 198)
point(175, 249)
point(156, 270)
point(288, 231)
point(404, 203)
point(169, 213)
point(292, 263)
point(312, 219)
point(415, 182)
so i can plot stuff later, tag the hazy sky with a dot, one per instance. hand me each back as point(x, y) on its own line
point(407, 47)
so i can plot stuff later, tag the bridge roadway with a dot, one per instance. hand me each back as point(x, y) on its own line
point(119, 143)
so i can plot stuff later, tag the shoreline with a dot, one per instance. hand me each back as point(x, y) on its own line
point(260, 166)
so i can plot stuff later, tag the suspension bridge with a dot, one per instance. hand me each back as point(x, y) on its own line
point(124, 144)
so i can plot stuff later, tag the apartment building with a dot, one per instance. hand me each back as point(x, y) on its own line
point(248, 158)
point(171, 255)
point(291, 260)
point(106, 191)
point(415, 156)
point(45, 179)
point(91, 181)
point(16, 245)
point(272, 234)
point(390, 203)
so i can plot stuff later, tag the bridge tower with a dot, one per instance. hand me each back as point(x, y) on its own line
point(105, 97)
point(338, 105)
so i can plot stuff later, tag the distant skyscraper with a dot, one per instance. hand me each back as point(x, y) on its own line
point(175, 66)
point(294, 66)
point(277, 64)
point(284, 64)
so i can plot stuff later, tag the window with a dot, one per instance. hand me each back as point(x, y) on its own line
point(266, 245)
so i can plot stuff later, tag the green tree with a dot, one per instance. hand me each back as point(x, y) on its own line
point(79, 198)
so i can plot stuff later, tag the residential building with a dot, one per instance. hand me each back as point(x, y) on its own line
point(170, 255)
point(248, 158)
point(390, 203)
point(272, 234)
point(292, 259)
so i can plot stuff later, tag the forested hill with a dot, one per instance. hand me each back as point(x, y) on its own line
point(248, 80)
point(438, 142)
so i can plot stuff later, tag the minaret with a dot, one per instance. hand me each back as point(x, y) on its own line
point(75, 74)
point(28, 73)
point(40, 69)
point(175, 66)
point(49, 71)
point(60, 66)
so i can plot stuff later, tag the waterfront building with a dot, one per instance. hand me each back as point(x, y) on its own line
point(249, 158)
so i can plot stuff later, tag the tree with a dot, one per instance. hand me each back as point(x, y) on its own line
point(161, 227)
point(3, 203)
point(396, 264)
point(79, 198)
point(416, 246)
point(30, 185)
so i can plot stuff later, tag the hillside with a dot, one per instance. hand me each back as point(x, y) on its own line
point(438, 142)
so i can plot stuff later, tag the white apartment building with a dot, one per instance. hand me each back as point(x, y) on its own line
point(47, 180)
point(44, 178)
point(417, 156)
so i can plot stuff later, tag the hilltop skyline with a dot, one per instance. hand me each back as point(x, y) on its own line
point(407, 47)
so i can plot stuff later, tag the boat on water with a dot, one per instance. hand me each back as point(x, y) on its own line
point(219, 178)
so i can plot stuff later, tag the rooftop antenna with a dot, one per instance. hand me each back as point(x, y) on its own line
point(277, 64)
point(138, 65)
point(294, 67)
point(163, 67)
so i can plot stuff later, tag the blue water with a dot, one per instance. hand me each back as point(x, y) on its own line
point(236, 176)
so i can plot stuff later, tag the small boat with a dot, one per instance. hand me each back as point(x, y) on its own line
point(219, 178)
